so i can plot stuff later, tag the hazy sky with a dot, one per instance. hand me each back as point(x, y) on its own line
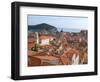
point(60, 21)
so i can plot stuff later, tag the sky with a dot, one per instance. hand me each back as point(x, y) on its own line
point(67, 23)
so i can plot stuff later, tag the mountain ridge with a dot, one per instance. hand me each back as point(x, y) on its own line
point(41, 27)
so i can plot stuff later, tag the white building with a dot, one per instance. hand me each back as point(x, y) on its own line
point(45, 39)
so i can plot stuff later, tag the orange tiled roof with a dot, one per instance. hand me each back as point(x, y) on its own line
point(31, 40)
point(70, 53)
point(46, 37)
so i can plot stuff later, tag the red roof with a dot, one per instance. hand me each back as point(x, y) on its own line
point(31, 40)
